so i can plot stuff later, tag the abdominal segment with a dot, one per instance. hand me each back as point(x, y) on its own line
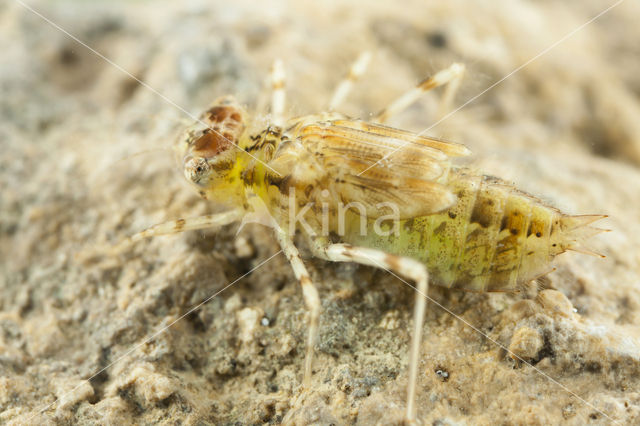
point(495, 238)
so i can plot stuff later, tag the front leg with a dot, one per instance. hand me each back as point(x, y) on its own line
point(180, 225)
point(310, 295)
point(165, 228)
point(403, 266)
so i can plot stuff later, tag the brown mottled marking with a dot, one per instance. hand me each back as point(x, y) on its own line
point(247, 176)
point(220, 165)
point(226, 121)
point(284, 185)
point(472, 236)
point(308, 190)
point(278, 85)
point(480, 213)
point(504, 222)
point(536, 227)
point(513, 221)
point(218, 114)
point(210, 144)
point(408, 225)
point(440, 229)
point(179, 224)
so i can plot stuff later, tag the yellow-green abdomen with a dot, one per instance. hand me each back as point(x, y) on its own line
point(494, 238)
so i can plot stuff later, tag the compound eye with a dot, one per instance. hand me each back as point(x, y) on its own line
point(196, 170)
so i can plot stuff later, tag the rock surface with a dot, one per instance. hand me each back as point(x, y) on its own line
point(86, 161)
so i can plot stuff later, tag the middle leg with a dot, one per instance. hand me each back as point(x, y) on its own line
point(310, 296)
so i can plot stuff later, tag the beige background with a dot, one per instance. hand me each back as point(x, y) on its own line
point(85, 160)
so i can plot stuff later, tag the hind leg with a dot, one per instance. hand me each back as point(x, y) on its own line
point(344, 87)
point(451, 76)
point(272, 96)
point(278, 96)
point(403, 266)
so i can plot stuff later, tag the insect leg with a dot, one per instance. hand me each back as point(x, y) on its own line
point(357, 69)
point(180, 225)
point(403, 266)
point(262, 99)
point(310, 295)
point(451, 76)
point(277, 92)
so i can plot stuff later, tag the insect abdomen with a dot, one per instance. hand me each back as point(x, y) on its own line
point(494, 238)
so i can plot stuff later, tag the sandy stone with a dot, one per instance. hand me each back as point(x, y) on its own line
point(248, 321)
point(243, 247)
point(389, 321)
point(152, 386)
point(525, 344)
point(71, 393)
point(86, 160)
point(556, 303)
point(113, 410)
